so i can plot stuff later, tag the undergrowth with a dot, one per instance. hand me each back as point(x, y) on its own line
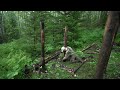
point(18, 53)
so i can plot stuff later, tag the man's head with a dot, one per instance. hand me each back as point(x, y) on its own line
point(63, 49)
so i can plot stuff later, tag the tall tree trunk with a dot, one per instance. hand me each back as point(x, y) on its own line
point(19, 24)
point(1, 28)
point(65, 38)
point(102, 19)
point(53, 37)
point(109, 36)
point(42, 44)
point(35, 36)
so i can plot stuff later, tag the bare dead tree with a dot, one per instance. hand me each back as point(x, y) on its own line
point(42, 44)
point(65, 38)
point(111, 28)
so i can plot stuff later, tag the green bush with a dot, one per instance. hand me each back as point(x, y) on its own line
point(14, 63)
point(13, 58)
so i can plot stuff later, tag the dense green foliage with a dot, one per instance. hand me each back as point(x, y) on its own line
point(20, 42)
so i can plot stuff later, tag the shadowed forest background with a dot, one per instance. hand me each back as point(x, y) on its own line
point(20, 44)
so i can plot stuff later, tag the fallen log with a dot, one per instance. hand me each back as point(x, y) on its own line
point(72, 70)
point(75, 70)
point(88, 47)
point(51, 58)
point(92, 52)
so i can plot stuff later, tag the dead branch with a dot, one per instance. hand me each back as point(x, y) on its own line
point(92, 52)
point(88, 47)
point(51, 58)
point(79, 67)
point(72, 70)
point(54, 56)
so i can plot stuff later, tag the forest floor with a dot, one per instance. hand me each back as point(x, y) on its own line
point(18, 53)
point(63, 70)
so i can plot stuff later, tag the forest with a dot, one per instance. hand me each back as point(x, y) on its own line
point(59, 45)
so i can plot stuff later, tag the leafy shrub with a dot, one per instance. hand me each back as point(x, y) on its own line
point(14, 63)
point(13, 58)
point(49, 48)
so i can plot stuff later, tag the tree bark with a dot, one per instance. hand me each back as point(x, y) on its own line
point(1, 27)
point(109, 36)
point(65, 38)
point(42, 44)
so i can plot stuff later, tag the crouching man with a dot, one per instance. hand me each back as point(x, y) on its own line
point(70, 55)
